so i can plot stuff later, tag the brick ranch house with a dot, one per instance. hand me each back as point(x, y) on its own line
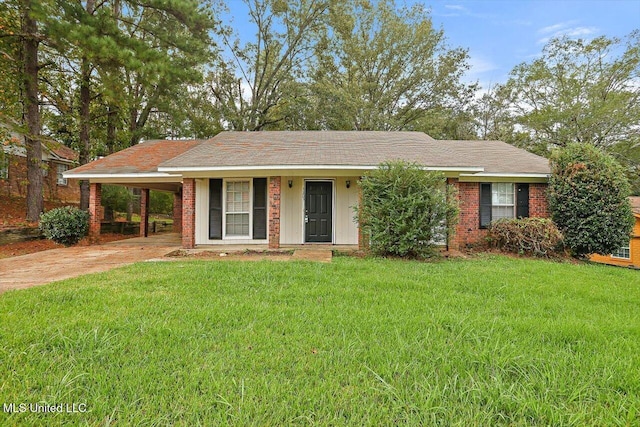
point(293, 188)
point(56, 160)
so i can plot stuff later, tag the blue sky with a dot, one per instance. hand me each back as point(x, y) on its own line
point(500, 34)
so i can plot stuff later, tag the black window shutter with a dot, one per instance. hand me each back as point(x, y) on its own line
point(485, 205)
point(522, 200)
point(215, 209)
point(260, 208)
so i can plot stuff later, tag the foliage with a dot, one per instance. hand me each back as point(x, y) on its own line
point(588, 199)
point(487, 341)
point(531, 236)
point(116, 197)
point(253, 81)
point(404, 209)
point(577, 91)
point(160, 202)
point(380, 67)
point(65, 225)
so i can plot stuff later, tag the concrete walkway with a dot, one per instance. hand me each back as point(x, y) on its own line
point(49, 266)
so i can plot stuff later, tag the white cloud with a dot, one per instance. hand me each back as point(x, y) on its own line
point(556, 27)
point(567, 28)
point(455, 7)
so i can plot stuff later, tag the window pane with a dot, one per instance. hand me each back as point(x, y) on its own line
point(623, 252)
point(237, 208)
point(238, 224)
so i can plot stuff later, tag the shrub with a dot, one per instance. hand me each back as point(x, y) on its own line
point(65, 225)
point(532, 236)
point(404, 209)
point(160, 202)
point(588, 200)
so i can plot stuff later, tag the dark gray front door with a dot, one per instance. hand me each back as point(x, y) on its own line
point(318, 211)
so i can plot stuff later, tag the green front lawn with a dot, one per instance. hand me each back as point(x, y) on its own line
point(487, 341)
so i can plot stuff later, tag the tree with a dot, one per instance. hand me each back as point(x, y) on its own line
point(578, 91)
point(588, 200)
point(383, 68)
point(253, 81)
point(406, 209)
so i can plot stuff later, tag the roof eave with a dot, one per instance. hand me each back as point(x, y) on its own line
point(183, 169)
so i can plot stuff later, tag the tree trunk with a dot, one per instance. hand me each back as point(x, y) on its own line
point(35, 201)
point(111, 129)
point(85, 100)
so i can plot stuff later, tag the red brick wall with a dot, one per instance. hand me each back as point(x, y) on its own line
point(538, 205)
point(144, 212)
point(188, 213)
point(177, 212)
point(274, 211)
point(468, 232)
point(16, 184)
point(95, 209)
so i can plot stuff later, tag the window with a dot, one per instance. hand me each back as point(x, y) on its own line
point(623, 252)
point(503, 200)
point(62, 169)
point(237, 208)
point(4, 165)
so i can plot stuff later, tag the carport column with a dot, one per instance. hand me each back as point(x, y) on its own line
point(188, 213)
point(274, 212)
point(177, 212)
point(144, 212)
point(95, 209)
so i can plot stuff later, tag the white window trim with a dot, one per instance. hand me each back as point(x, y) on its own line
point(500, 205)
point(628, 248)
point(224, 209)
point(60, 179)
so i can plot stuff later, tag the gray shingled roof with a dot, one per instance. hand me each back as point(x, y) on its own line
point(353, 148)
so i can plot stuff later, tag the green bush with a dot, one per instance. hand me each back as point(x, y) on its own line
point(588, 200)
point(65, 225)
point(116, 197)
point(160, 202)
point(531, 236)
point(404, 209)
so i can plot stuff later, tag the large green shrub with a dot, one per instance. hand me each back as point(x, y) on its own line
point(161, 202)
point(404, 209)
point(531, 236)
point(65, 225)
point(588, 200)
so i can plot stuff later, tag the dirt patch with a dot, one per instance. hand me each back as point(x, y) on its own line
point(246, 255)
point(33, 246)
point(13, 211)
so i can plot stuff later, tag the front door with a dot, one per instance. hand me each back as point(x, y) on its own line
point(318, 211)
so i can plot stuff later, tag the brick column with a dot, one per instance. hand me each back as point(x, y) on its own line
point(274, 211)
point(468, 232)
point(188, 213)
point(538, 204)
point(177, 212)
point(95, 210)
point(144, 212)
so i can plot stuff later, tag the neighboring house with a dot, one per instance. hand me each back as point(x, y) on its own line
point(56, 160)
point(629, 255)
point(291, 188)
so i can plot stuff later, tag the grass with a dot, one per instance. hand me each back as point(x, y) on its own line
point(487, 341)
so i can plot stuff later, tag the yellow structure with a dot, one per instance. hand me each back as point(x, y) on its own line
point(628, 256)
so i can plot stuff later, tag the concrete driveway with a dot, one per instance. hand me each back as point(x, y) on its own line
point(57, 264)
